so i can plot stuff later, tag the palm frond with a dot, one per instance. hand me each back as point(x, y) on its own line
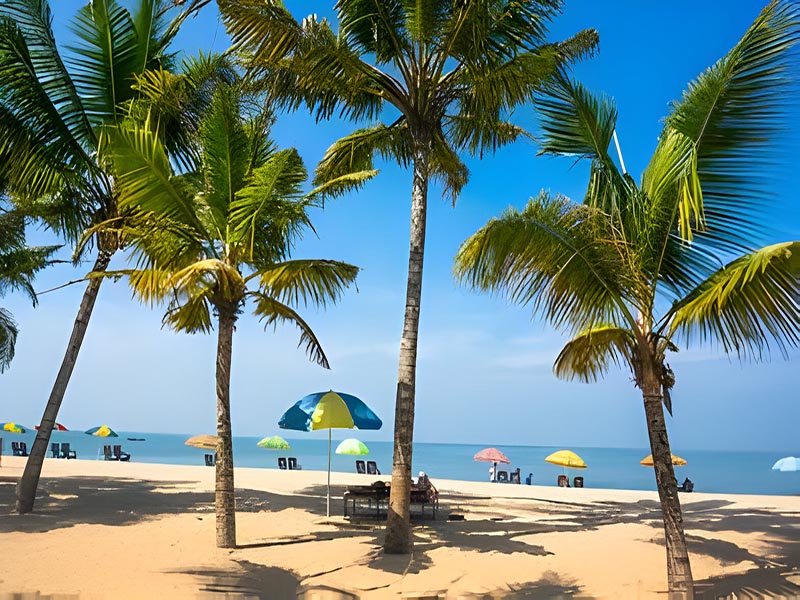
point(144, 176)
point(732, 113)
point(308, 281)
point(272, 312)
point(269, 207)
point(590, 354)
point(8, 338)
point(750, 305)
point(555, 256)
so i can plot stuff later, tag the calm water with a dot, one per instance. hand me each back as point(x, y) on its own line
point(712, 471)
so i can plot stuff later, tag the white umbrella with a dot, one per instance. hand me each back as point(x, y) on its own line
point(789, 463)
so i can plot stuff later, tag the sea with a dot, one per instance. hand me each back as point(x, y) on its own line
point(723, 472)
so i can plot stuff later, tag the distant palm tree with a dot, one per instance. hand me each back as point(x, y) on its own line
point(53, 107)
point(636, 266)
point(208, 240)
point(450, 73)
point(18, 265)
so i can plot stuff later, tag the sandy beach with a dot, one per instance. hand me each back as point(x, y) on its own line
point(128, 530)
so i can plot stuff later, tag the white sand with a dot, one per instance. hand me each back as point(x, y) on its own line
point(135, 530)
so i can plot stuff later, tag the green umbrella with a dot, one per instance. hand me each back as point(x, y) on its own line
point(275, 442)
point(353, 447)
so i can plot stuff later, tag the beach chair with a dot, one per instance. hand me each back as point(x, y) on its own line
point(502, 477)
point(15, 448)
point(563, 481)
point(361, 469)
point(23, 449)
point(529, 479)
point(209, 460)
point(686, 486)
point(107, 454)
point(120, 455)
point(54, 450)
point(372, 468)
point(515, 476)
point(282, 463)
point(293, 464)
point(577, 482)
point(67, 453)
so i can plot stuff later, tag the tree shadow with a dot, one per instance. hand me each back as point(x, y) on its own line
point(249, 580)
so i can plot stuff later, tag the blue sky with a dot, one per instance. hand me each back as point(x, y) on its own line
point(484, 372)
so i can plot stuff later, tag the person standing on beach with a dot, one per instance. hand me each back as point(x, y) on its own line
point(492, 471)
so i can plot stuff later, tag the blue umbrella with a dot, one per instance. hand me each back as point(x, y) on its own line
point(329, 410)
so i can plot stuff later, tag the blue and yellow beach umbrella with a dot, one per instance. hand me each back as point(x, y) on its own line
point(102, 431)
point(329, 410)
point(12, 428)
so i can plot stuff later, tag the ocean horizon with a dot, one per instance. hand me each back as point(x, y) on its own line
point(712, 471)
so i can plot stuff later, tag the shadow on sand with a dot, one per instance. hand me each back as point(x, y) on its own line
point(489, 526)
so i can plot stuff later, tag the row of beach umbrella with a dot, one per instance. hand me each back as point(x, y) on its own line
point(99, 431)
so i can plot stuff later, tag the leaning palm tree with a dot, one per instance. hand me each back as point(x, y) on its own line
point(210, 239)
point(19, 264)
point(53, 106)
point(634, 269)
point(447, 74)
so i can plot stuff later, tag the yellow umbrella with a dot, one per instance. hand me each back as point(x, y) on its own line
point(204, 442)
point(566, 458)
point(647, 461)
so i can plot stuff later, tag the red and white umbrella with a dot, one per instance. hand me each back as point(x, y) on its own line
point(56, 427)
point(492, 455)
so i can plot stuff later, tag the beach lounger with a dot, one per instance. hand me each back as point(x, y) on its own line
point(563, 481)
point(282, 463)
point(55, 450)
point(372, 468)
point(67, 453)
point(120, 455)
point(361, 469)
point(502, 477)
point(293, 464)
point(209, 460)
point(107, 454)
point(577, 482)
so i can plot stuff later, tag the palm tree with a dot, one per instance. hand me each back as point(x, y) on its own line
point(636, 268)
point(207, 240)
point(447, 74)
point(53, 106)
point(18, 265)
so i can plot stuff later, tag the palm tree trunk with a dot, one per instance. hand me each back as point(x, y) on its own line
point(679, 570)
point(398, 523)
point(26, 488)
point(225, 499)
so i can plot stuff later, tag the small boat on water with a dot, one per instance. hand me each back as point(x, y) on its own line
point(136, 439)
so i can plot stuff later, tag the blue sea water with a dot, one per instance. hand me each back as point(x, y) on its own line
point(617, 468)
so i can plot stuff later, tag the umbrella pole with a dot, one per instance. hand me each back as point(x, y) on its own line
point(328, 504)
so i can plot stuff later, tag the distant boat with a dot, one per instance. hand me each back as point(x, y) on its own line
point(136, 439)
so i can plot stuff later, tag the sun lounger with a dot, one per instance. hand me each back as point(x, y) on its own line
point(282, 463)
point(55, 450)
point(577, 482)
point(502, 477)
point(120, 455)
point(373, 500)
point(67, 453)
point(19, 448)
point(372, 468)
point(107, 454)
point(293, 464)
point(209, 460)
point(361, 468)
point(563, 481)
